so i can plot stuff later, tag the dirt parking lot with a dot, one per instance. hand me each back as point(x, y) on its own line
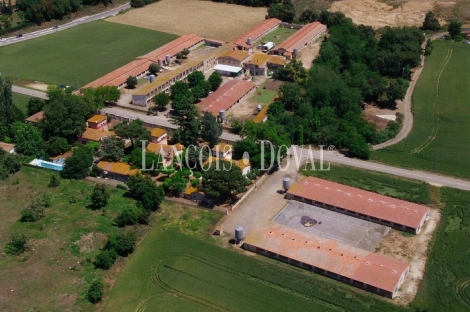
point(207, 19)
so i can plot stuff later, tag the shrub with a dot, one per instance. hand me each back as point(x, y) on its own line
point(100, 196)
point(105, 259)
point(129, 216)
point(122, 243)
point(30, 215)
point(197, 174)
point(54, 181)
point(16, 245)
point(95, 292)
point(194, 182)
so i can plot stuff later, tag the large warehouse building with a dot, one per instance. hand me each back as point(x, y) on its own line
point(140, 65)
point(302, 38)
point(227, 96)
point(352, 265)
point(374, 207)
point(245, 41)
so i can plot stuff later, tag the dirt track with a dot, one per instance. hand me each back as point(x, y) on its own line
point(207, 19)
point(378, 14)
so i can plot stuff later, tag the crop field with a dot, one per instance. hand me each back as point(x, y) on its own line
point(173, 272)
point(78, 55)
point(204, 18)
point(281, 32)
point(441, 108)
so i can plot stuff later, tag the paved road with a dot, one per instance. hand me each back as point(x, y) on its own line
point(83, 20)
point(335, 157)
point(29, 92)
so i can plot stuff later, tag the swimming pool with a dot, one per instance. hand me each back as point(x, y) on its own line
point(47, 164)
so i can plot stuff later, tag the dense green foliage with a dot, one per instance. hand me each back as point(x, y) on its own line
point(431, 22)
point(56, 146)
point(28, 139)
point(102, 95)
point(211, 129)
point(95, 291)
point(215, 80)
point(122, 243)
point(440, 109)
point(34, 105)
point(144, 190)
point(131, 82)
point(35, 210)
point(112, 149)
point(105, 259)
point(78, 55)
point(9, 113)
point(454, 29)
point(141, 3)
point(161, 100)
point(222, 180)
point(283, 10)
point(16, 245)
point(78, 165)
point(100, 196)
point(9, 164)
point(54, 181)
point(134, 131)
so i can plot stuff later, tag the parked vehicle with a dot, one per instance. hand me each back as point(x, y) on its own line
point(19, 35)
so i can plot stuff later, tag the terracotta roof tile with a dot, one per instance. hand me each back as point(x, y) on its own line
point(157, 132)
point(256, 32)
point(368, 203)
point(119, 168)
point(299, 38)
point(7, 147)
point(226, 96)
point(96, 135)
point(36, 117)
point(336, 257)
point(97, 118)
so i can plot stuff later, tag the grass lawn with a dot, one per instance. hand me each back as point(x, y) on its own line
point(54, 272)
point(78, 55)
point(282, 32)
point(263, 96)
point(21, 101)
point(441, 107)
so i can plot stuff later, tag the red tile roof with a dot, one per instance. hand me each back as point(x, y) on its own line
point(330, 255)
point(142, 63)
point(256, 32)
point(7, 147)
point(226, 96)
point(36, 117)
point(299, 38)
point(368, 203)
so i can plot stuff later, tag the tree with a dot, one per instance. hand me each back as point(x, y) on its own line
point(179, 56)
point(6, 102)
point(195, 78)
point(131, 82)
point(133, 131)
point(211, 130)
point(151, 160)
point(9, 164)
point(290, 95)
point(309, 16)
point(112, 149)
point(154, 68)
point(16, 245)
point(54, 181)
point(215, 80)
point(57, 146)
point(198, 92)
point(455, 28)
point(195, 156)
point(128, 216)
point(144, 190)
point(105, 259)
point(185, 52)
point(161, 100)
point(223, 183)
point(99, 196)
point(283, 10)
point(397, 89)
point(122, 243)
point(28, 139)
point(65, 115)
point(35, 105)
point(78, 165)
point(106, 95)
point(293, 72)
point(430, 22)
point(95, 291)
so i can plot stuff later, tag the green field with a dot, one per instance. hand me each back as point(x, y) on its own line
point(174, 272)
point(78, 55)
point(282, 32)
point(441, 108)
point(21, 101)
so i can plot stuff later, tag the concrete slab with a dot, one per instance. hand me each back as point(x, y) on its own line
point(353, 231)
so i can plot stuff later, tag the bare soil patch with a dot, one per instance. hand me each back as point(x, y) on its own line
point(207, 19)
point(372, 111)
point(379, 14)
point(309, 53)
point(274, 85)
point(412, 250)
point(38, 86)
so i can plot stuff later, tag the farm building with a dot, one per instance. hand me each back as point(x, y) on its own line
point(258, 64)
point(214, 43)
point(227, 96)
point(116, 171)
point(164, 80)
point(98, 122)
point(167, 151)
point(7, 147)
point(244, 164)
point(295, 43)
point(233, 58)
point(374, 207)
point(139, 66)
point(352, 265)
point(95, 135)
point(245, 41)
point(39, 116)
point(159, 135)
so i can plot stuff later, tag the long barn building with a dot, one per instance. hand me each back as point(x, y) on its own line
point(360, 268)
point(374, 207)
